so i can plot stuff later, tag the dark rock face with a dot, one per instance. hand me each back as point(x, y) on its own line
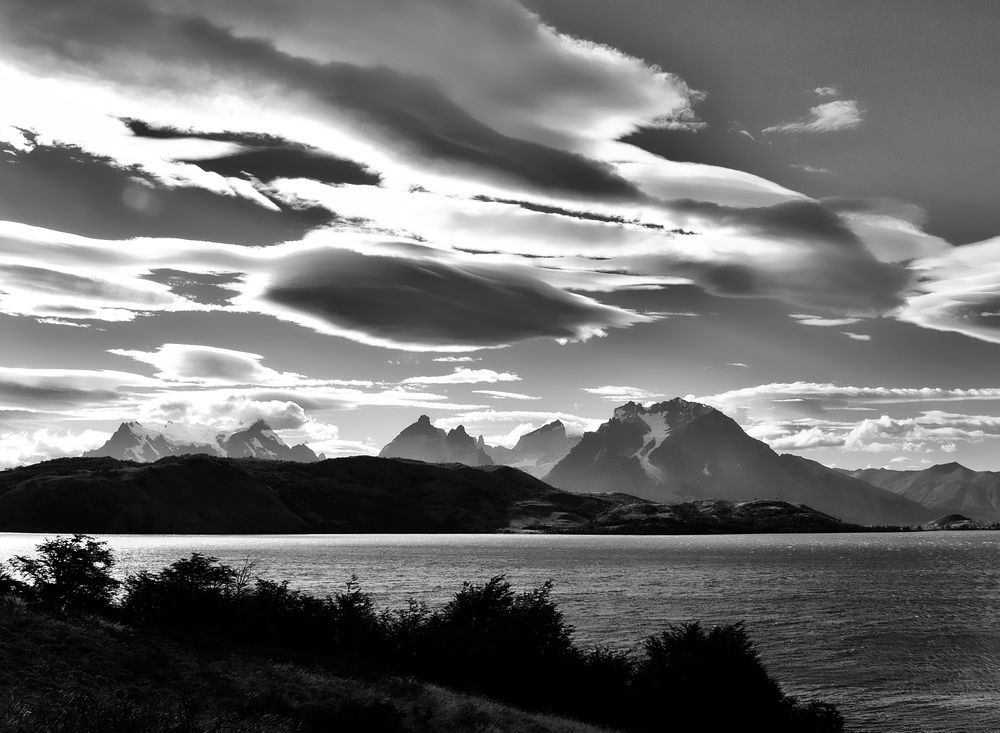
point(678, 450)
point(948, 488)
point(421, 441)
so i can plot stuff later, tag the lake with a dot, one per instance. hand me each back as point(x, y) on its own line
point(900, 630)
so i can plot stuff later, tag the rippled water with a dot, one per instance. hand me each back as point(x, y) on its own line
point(901, 631)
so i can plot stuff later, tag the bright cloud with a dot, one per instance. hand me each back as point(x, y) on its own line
point(622, 394)
point(841, 114)
point(498, 395)
point(463, 375)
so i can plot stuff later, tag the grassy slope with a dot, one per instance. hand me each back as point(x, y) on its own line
point(93, 675)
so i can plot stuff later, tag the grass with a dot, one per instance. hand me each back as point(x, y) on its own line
point(87, 674)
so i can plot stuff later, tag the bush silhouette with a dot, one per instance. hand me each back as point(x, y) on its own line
point(193, 591)
point(711, 680)
point(69, 573)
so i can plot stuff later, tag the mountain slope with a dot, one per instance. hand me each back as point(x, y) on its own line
point(679, 450)
point(208, 494)
point(134, 442)
point(948, 488)
point(421, 441)
point(536, 452)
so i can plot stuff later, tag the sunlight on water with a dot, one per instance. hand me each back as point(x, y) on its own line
point(901, 631)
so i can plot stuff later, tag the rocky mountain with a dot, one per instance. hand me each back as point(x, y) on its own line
point(421, 441)
point(679, 451)
point(948, 488)
point(209, 494)
point(536, 452)
point(133, 441)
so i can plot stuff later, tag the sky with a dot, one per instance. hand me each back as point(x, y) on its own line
point(340, 216)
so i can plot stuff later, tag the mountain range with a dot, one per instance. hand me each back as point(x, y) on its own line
point(535, 452)
point(422, 441)
point(678, 450)
point(134, 442)
point(948, 488)
point(207, 494)
point(667, 453)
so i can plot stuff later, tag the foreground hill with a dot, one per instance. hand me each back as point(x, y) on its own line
point(206, 494)
point(90, 674)
point(948, 488)
point(680, 451)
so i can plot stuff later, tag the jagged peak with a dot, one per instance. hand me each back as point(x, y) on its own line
point(423, 420)
point(679, 409)
point(459, 431)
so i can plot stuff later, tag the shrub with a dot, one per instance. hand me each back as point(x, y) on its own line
point(69, 572)
point(192, 592)
point(712, 680)
point(9, 585)
point(489, 639)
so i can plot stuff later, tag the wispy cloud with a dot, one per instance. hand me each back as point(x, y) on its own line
point(462, 375)
point(498, 395)
point(622, 394)
point(804, 319)
point(840, 114)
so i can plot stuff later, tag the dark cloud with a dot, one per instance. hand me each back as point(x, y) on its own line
point(264, 157)
point(66, 189)
point(405, 111)
point(204, 288)
point(290, 161)
point(432, 303)
point(52, 397)
point(788, 220)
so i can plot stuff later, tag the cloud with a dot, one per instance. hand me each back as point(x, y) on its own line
point(18, 448)
point(804, 319)
point(497, 395)
point(496, 59)
point(457, 359)
point(841, 114)
point(830, 91)
point(857, 336)
point(959, 291)
point(462, 375)
point(195, 58)
point(208, 365)
point(830, 396)
point(622, 394)
point(414, 298)
point(428, 304)
point(809, 168)
point(929, 431)
point(58, 389)
point(737, 364)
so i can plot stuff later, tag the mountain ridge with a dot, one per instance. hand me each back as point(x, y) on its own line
point(679, 451)
point(133, 441)
point(201, 494)
point(945, 488)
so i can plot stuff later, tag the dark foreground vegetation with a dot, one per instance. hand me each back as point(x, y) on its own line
point(203, 646)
